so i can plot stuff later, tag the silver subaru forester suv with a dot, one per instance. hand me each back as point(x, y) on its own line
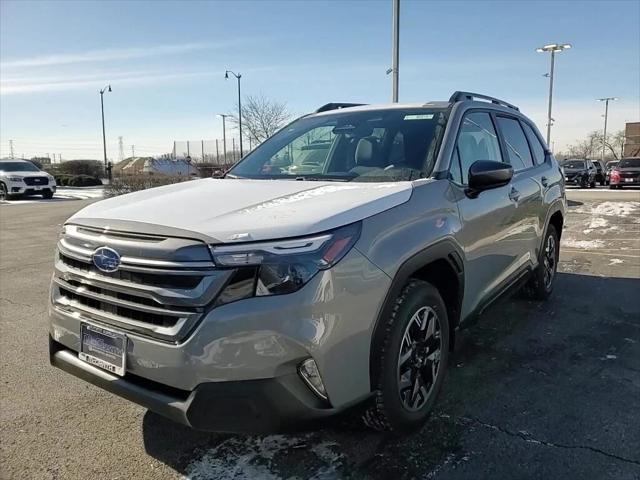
point(330, 267)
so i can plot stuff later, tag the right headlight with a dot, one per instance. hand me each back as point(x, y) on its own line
point(14, 179)
point(281, 266)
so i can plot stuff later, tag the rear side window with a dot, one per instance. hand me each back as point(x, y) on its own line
point(477, 140)
point(536, 146)
point(518, 153)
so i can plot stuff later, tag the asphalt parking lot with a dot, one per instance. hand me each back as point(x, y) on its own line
point(535, 390)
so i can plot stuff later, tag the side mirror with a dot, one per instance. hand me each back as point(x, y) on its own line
point(487, 174)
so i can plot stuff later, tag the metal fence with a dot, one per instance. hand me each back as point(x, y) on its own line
point(210, 151)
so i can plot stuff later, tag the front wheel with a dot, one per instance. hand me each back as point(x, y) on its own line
point(541, 284)
point(3, 192)
point(47, 194)
point(412, 360)
point(592, 185)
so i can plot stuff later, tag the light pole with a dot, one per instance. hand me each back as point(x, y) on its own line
point(224, 135)
point(553, 48)
point(395, 51)
point(606, 101)
point(104, 138)
point(238, 77)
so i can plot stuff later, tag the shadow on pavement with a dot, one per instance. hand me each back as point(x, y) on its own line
point(543, 368)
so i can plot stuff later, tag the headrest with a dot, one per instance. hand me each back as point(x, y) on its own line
point(366, 152)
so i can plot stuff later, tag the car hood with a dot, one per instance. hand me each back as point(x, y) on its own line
point(628, 169)
point(234, 210)
point(23, 174)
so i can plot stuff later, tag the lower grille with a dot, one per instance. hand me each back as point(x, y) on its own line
point(129, 313)
point(35, 180)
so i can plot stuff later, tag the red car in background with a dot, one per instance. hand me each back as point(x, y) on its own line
point(626, 173)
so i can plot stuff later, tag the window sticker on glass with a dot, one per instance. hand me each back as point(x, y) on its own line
point(424, 116)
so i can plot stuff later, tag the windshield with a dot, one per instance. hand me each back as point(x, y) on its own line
point(574, 164)
point(629, 163)
point(18, 167)
point(374, 146)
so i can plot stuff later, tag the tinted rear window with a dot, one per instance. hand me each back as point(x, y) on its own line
point(574, 164)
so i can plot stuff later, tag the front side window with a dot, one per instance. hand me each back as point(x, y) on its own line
point(374, 146)
point(536, 146)
point(477, 140)
point(518, 153)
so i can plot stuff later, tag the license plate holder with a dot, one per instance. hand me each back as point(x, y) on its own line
point(103, 348)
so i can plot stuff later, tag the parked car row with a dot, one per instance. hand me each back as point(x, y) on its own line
point(617, 173)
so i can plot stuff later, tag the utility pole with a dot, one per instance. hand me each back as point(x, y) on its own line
point(553, 48)
point(606, 101)
point(224, 136)
point(104, 138)
point(133, 150)
point(395, 54)
point(11, 148)
point(202, 145)
point(238, 77)
point(120, 149)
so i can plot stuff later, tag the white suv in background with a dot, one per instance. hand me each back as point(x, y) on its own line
point(21, 177)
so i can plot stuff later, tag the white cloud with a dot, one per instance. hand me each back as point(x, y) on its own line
point(107, 54)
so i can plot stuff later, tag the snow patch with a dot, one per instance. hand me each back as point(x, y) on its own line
point(615, 261)
point(249, 458)
point(582, 244)
point(618, 209)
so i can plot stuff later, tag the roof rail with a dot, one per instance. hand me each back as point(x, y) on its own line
point(462, 96)
point(337, 106)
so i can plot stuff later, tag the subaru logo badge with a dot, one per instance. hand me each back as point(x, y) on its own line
point(106, 259)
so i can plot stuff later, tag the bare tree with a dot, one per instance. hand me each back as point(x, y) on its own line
point(261, 117)
point(586, 148)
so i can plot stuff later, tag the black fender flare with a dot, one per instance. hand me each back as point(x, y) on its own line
point(556, 206)
point(447, 250)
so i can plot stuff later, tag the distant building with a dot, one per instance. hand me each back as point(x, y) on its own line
point(632, 139)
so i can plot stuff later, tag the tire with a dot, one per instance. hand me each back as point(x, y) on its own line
point(584, 183)
point(47, 194)
point(3, 192)
point(540, 286)
point(395, 407)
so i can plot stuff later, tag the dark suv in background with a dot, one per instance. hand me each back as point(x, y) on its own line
point(579, 172)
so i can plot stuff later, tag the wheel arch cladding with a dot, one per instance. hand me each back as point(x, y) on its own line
point(441, 265)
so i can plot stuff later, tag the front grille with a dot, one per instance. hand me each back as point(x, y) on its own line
point(36, 180)
point(155, 292)
point(130, 313)
point(164, 281)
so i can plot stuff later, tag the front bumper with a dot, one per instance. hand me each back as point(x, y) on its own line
point(19, 188)
point(254, 340)
point(270, 405)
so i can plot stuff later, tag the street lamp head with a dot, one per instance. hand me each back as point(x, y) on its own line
point(607, 99)
point(554, 47)
point(110, 88)
point(226, 75)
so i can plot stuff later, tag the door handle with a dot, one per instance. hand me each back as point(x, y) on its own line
point(514, 194)
point(544, 181)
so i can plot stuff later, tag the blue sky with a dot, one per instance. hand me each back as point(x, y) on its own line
point(166, 61)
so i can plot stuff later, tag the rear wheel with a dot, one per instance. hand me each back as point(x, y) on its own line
point(3, 192)
point(592, 185)
point(412, 360)
point(541, 284)
point(584, 183)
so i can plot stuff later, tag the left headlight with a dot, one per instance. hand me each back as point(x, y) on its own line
point(281, 266)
